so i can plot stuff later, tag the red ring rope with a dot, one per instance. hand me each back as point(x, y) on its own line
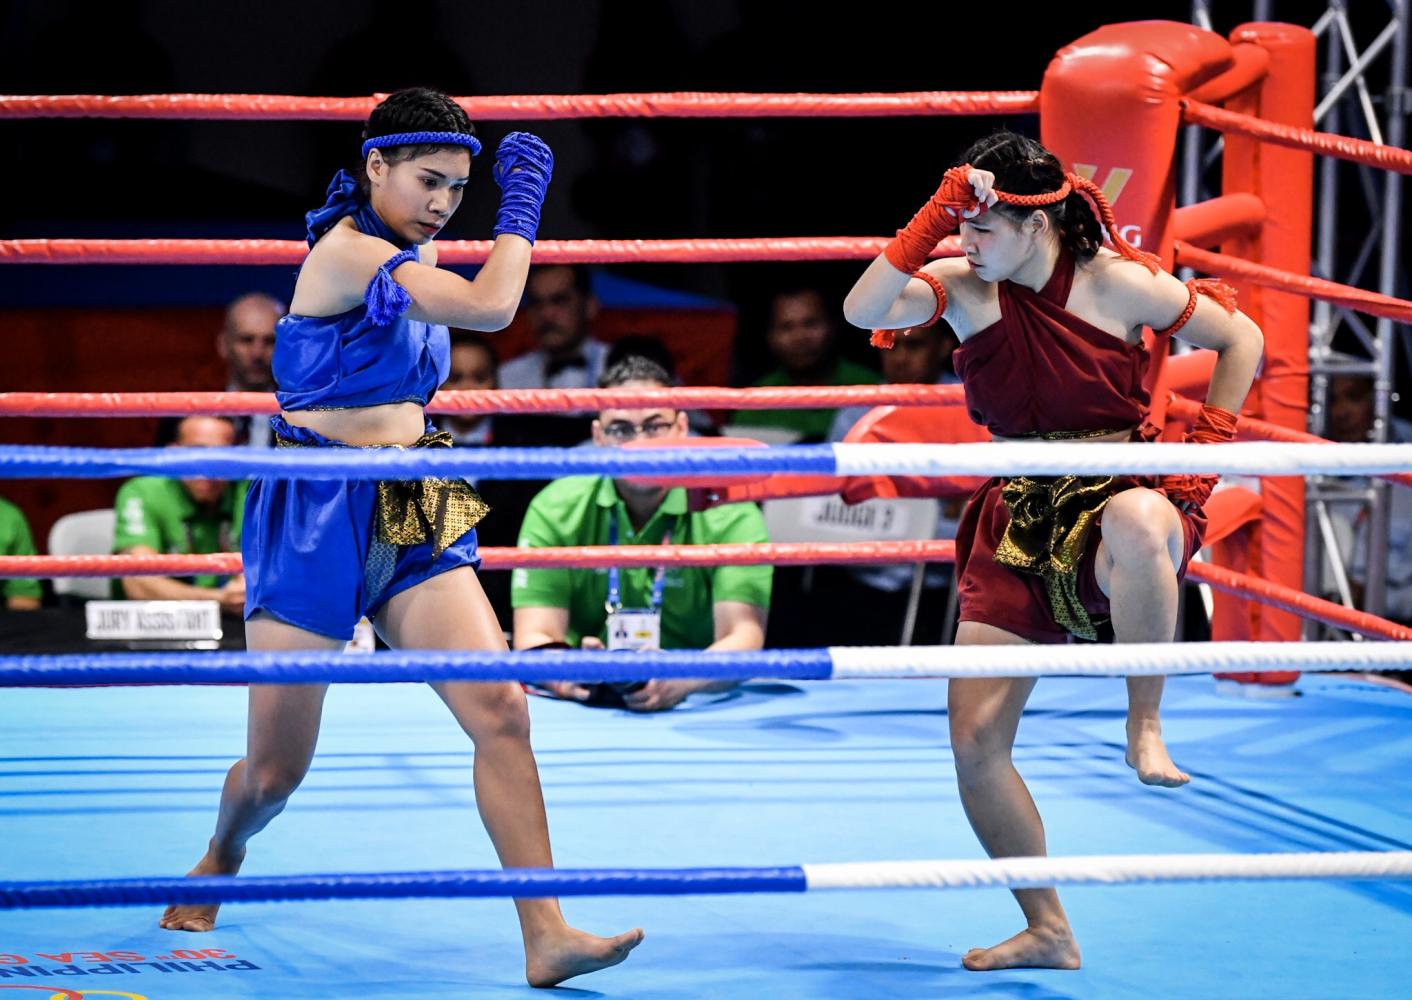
point(777, 554)
point(528, 107)
point(1226, 266)
point(181, 404)
point(1342, 147)
point(292, 252)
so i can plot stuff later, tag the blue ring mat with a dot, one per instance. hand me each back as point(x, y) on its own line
point(121, 782)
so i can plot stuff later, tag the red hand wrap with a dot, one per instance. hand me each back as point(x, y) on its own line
point(1213, 426)
point(940, 216)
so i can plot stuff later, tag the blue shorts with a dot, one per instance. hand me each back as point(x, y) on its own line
point(312, 556)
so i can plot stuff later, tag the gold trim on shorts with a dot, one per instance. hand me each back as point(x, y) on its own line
point(1050, 523)
point(413, 511)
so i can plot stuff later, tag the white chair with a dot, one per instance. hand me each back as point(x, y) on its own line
point(829, 519)
point(85, 533)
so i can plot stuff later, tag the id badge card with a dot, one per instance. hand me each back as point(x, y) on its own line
point(635, 628)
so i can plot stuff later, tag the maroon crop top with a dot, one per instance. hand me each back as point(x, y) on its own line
point(1040, 369)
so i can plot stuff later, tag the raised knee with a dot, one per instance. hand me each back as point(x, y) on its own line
point(1138, 525)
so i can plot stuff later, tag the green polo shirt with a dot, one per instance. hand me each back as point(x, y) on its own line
point(578, 510)
point(807, 423)
point(15, 540)
point(158, 513)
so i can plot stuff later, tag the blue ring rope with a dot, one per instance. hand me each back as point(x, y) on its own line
point(516, 882)
point(403, 666)
point(44, 461)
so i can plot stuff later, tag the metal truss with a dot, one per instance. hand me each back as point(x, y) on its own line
point(1362, 92)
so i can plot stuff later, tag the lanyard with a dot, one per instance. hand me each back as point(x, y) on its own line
point(615, 601)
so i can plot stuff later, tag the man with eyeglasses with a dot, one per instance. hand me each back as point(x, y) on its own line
point(678, 607)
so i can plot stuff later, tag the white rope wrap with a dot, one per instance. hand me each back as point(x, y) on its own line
point(1118, 660)
point(1128, 869)
point(1011, 458)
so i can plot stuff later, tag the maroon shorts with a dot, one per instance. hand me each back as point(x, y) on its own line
point(1017, 602)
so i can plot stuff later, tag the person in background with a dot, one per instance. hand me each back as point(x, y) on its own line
point(679, 607)
point(560, 307)
point(473, 367)
point(246, 344)
point(16, 540)
point(647, 346)
point(920, 357)
point(802, 338)
point(159, 516)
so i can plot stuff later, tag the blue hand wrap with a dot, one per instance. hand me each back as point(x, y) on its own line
point(523, 166)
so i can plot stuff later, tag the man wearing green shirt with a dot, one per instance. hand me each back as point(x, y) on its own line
point(15, 540)
point(169, 516)
point(801, 336)
point(717, 608)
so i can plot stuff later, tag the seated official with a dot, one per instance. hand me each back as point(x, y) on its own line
point(16, 540)
point(159, 516)
point(678, 607)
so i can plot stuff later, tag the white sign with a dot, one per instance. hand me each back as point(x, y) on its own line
point(153, 619)
point(829, 519)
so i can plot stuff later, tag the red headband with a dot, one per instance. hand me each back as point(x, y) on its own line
point(1101, 210)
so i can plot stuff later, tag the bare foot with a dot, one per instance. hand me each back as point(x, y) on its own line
point(552, 958)
point(1032, 948)
point(199, 917)
point(1148, 756)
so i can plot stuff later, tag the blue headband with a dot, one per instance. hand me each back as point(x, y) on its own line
point(420, 138)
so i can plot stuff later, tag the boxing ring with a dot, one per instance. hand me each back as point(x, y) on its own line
point(1283, 869)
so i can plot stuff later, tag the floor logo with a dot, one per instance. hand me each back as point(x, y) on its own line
point(20, 972)
point(59, 993)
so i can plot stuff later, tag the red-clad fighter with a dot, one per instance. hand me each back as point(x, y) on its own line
point(1051, 325)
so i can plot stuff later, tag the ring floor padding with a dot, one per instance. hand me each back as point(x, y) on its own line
point(124, 781)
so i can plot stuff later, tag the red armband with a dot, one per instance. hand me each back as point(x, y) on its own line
point(1223, 293)
point(885, 339)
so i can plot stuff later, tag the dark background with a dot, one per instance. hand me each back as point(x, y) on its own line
point(95, 328)
point(615, 178)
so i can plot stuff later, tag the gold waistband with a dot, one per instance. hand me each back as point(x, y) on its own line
point(413, 511)
point(1069, 435)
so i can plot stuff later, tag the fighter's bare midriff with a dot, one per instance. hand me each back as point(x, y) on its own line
point(365, 426)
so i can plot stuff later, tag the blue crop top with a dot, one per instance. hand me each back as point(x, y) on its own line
point(369, 355)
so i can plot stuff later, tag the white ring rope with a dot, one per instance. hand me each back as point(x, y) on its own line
point(1009, 458)
point(1127, 869)
point(1116, 660)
